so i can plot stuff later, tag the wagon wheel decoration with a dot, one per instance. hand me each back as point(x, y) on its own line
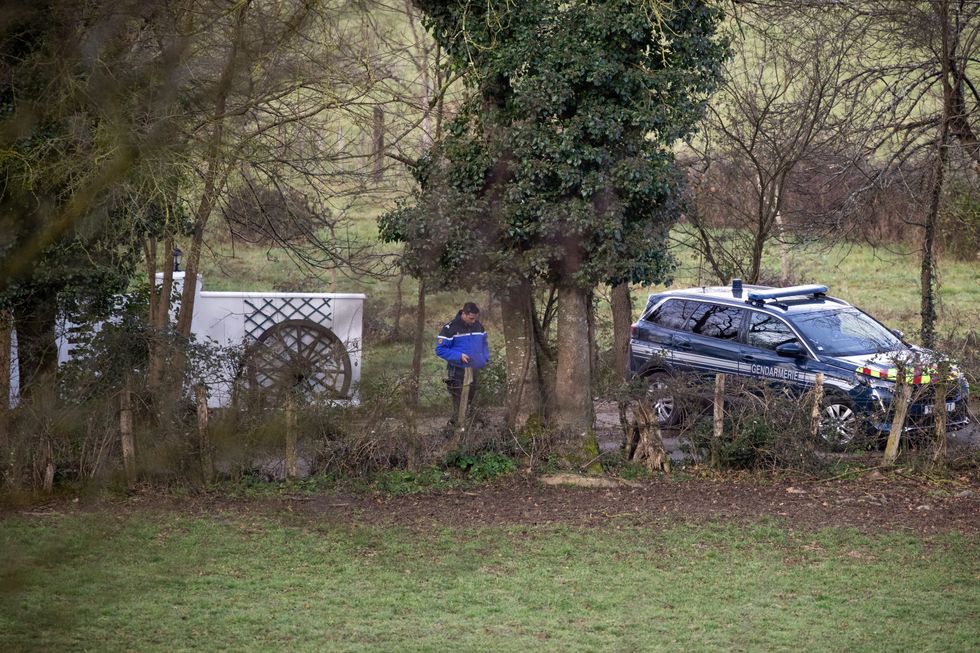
point(302, 357)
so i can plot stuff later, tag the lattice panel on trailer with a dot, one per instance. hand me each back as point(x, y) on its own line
point(267, 311)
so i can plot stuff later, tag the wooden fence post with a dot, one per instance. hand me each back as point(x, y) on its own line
point(126, 432)
point(815, 412)
point(48, 481)
point(291, 471)
point(903, 393)
point(207, 462)
point(7, 472)
point(719, 417)
point(939, 414)
point(464, 398)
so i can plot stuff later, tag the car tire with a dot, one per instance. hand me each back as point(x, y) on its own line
point(839, 426)
point(661, 398)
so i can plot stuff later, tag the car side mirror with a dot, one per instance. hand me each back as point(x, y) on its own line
point(898, 332)
point(791, 350)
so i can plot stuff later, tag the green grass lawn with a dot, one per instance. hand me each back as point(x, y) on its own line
point(882, 281)
point(168, 582)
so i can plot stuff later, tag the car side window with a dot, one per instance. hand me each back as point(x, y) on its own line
point(768, 331)
point(716, 321)
point(672, 314)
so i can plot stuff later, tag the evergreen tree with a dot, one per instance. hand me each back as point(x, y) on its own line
point(559, 167)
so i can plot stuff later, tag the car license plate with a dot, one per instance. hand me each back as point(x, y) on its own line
point(928, 408)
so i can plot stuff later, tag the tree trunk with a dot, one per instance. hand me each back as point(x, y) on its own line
point(815, 409)
point(6, 445)
point(544, 352)
point(593, 341)
point(159, 312)
point(520, 352)
point(333, 268)
point(424, 67)
point(379, 143)
point(209, 197)
point(150, 258)
point(903, 393)
point(399, 303)
point(440, 110)
point(413, 389)
point(755, 266)
point(126, 432)
point(291, 468)
point(204, 436)
point(719, 419)
point(783, 249)
point(6, 338)
point(622, 314)
point(573, 387)
point(939, 414)
point(37, 348)
point(928, 267)
point(649, 441)
point(215, 175)
point(47, 482)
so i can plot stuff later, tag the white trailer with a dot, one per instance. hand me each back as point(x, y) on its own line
point(308, 342)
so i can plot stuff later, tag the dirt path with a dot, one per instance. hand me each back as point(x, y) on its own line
point(872, 505)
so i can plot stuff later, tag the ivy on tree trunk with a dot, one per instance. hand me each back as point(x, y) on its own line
point(558, 169)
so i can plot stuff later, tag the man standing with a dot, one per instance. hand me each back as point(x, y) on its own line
point(463, 344)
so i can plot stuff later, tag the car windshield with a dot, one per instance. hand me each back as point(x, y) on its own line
point(847, 332)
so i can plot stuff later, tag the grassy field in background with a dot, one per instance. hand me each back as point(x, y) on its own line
point(883, 281)
point(165, 582)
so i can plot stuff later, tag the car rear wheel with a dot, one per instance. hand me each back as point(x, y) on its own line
point(661, 398)
point(839, 423)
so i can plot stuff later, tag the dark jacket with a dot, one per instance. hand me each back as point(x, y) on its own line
point(458, 338)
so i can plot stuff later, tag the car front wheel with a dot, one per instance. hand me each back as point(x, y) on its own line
point(839, 423)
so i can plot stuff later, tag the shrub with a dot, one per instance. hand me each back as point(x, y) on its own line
point(764, 429)
point(960, 223)
point(263, 215)
point(492, 390)
point(482, 467)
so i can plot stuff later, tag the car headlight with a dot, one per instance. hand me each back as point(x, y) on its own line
point(872, 382)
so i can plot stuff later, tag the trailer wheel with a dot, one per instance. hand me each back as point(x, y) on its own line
point(301, 357)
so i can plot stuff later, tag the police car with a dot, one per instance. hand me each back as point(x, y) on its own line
point(786, 336)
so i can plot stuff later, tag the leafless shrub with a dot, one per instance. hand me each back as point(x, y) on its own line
point(264, 215)
point(960, 221)
point(73, 443)
point(379, 322)
point(765, 429)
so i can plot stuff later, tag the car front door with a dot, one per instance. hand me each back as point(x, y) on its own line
point(764, 333)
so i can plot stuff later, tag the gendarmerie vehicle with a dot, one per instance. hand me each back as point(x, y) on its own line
point(786, 336)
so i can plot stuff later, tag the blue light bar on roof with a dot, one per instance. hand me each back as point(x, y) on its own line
point(791, 291)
